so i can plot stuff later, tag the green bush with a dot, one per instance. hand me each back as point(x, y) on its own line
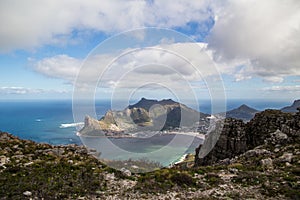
point(182, 179)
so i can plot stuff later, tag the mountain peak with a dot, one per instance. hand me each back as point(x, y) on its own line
point(243, 112)
point(144, 103)
point(244, 107)
point(293, 107)
point(144, 99)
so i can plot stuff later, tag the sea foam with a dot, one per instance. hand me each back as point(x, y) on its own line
point(78, 124)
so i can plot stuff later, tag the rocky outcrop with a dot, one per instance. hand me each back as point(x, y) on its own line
point(91, 127)
point(238, 137)
point(264, 124)
point(232, 141)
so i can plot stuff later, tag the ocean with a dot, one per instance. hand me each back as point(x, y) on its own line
point(52, 122)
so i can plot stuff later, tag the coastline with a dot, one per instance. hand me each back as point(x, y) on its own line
point(181, 159)
point(191, 134)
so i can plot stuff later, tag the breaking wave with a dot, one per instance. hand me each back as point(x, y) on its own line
point(79, 124)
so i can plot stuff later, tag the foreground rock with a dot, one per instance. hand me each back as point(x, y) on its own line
point(263, 154)
point(237, 137)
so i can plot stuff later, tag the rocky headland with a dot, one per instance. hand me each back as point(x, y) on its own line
point(146, 115)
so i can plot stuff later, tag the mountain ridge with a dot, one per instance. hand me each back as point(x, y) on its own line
point(147, 103)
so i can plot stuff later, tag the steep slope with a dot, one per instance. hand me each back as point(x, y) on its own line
point(243, 112)
point(292, 108)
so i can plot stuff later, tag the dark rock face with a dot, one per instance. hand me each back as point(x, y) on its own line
point(231, 142)
point(264, 124)
point(139, 115)
point(238, 137)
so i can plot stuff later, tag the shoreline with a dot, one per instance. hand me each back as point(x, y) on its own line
point(191, 134)
point(181, 159)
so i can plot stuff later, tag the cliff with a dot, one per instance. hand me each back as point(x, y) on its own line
point(237, 137)
point(231, 142)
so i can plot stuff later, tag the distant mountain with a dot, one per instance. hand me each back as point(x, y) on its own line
point(243, 112)
point(292, 108)
point(147, 114)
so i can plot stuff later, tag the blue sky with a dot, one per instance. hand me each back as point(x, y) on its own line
point(44, 44)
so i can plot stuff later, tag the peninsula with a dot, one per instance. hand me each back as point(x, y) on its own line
point(165, 116)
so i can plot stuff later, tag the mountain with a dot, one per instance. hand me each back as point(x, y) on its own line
point(147, 114)
point(292, 108)
point(243, 112)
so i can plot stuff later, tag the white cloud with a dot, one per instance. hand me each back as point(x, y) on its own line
point(166, 64)
point(23, 90)
point(170, 13)
point(263, 33)
point(261, 36)
point(59, 66)
point(18, 90)
point(289, 88)
point(33, 23)
point(274, 79)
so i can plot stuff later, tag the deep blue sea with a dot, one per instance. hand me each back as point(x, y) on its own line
point(42, 121)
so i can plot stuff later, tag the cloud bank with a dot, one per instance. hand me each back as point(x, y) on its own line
point(159, 63)
point(248, 38)
point(24, 91)
point(264, 33)
point(33, 23)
